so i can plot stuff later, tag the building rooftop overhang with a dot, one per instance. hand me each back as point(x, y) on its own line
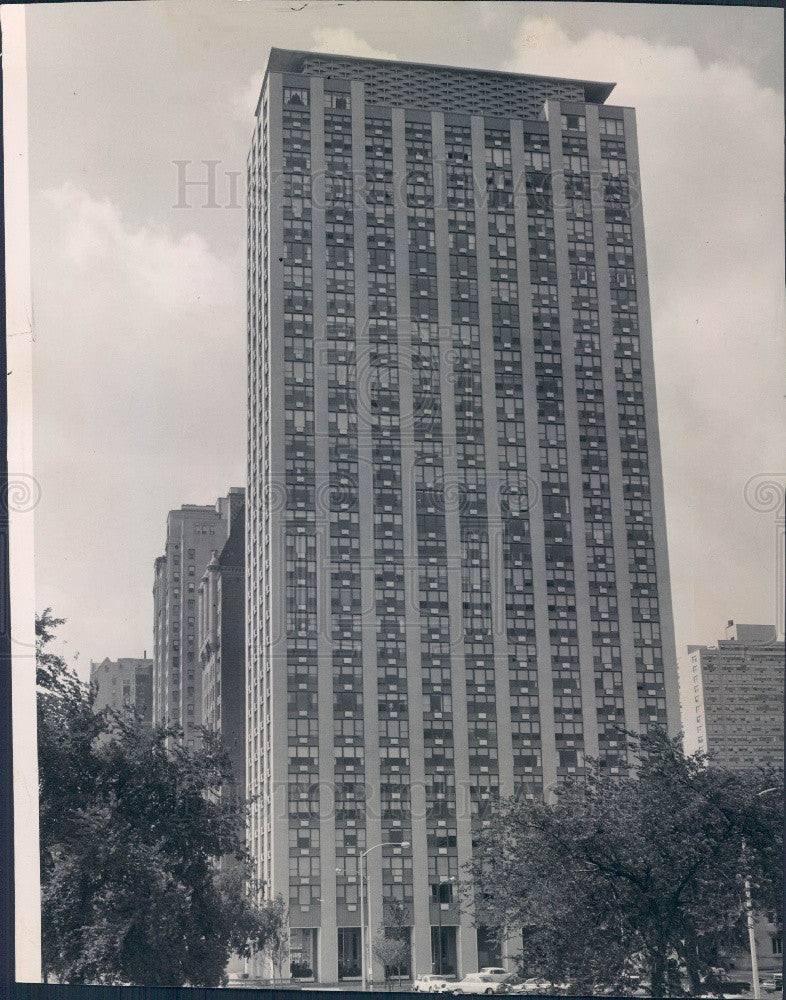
point(292, 60)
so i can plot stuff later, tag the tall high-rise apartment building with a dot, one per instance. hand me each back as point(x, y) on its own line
point(458, 582)
point(192, 533)
point(124, 684)
point(732, 698)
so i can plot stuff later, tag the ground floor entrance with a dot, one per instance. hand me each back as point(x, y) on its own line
point(489, 950)
point(303, 954)
point(349, 966)
point(444, 950)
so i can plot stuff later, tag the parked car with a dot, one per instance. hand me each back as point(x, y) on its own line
point(550, 989)
point(500, 975)
point(735, 987)
point(517, 985)
point(773, 983)
point(530, 986)
point(433, 984)
point(731, 989)
point(478, 982)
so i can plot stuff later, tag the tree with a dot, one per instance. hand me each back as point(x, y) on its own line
point(277, 945)
point(132, 831)
point(631, 873)
point(392, 941)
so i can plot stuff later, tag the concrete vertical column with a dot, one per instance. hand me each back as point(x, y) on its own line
point(366, 492)
point(651, 420)
point(467, 943)
point(583, 619)
point(611, 416)
point(253, 239)
point(421, 958)
point(254, 523)
point(493, 477)
point(535, 483)
point(326, 908)
point(264, 511)
point(253, 447)
point(274, 652)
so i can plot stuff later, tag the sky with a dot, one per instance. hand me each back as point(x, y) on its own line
point(138, 298)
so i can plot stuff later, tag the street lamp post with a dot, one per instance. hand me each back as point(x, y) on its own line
point(749, 917)
point(364, 976)
point(362, 926)
point(751, 934)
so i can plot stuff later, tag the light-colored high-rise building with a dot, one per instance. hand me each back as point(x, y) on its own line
point(458, 582)
point(731, 697)
point(124, 684)
point(193, 532)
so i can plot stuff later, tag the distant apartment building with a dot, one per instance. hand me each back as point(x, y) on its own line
point(458, 582)
point(192, 533)
point(222, 642)
point(125, 683)
point(732, 698)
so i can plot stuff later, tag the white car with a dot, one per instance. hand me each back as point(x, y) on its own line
point(535, 985)
point(478, 982)
point(432, 984)
point(499, 974)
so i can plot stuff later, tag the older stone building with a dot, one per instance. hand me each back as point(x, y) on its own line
point(125, 684)
point(192, 533)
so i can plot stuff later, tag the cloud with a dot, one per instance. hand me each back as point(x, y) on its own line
point(346, 42)
point(139, 373)
point(710, 141)
point(174, 274)
point(244, 102)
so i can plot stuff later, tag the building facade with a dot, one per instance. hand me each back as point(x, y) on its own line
point(458, 582)
point(222, 642)
point(191, 535)
point(125, 683)
point(731, 698)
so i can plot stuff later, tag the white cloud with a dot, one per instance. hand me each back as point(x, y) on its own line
point(175, 274)
point(711, 151)
point(346, 42)
point(139, 373)
point(244, 102)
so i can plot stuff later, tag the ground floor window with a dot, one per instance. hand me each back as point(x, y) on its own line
point(489, 948)
point(444, 951)
point(395, 953)
point(777, 944)
point(349, 953)
point(303, 952)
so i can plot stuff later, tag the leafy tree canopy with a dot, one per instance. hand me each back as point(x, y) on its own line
point(144, 875)
point(641, 872)
point(392, 942)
